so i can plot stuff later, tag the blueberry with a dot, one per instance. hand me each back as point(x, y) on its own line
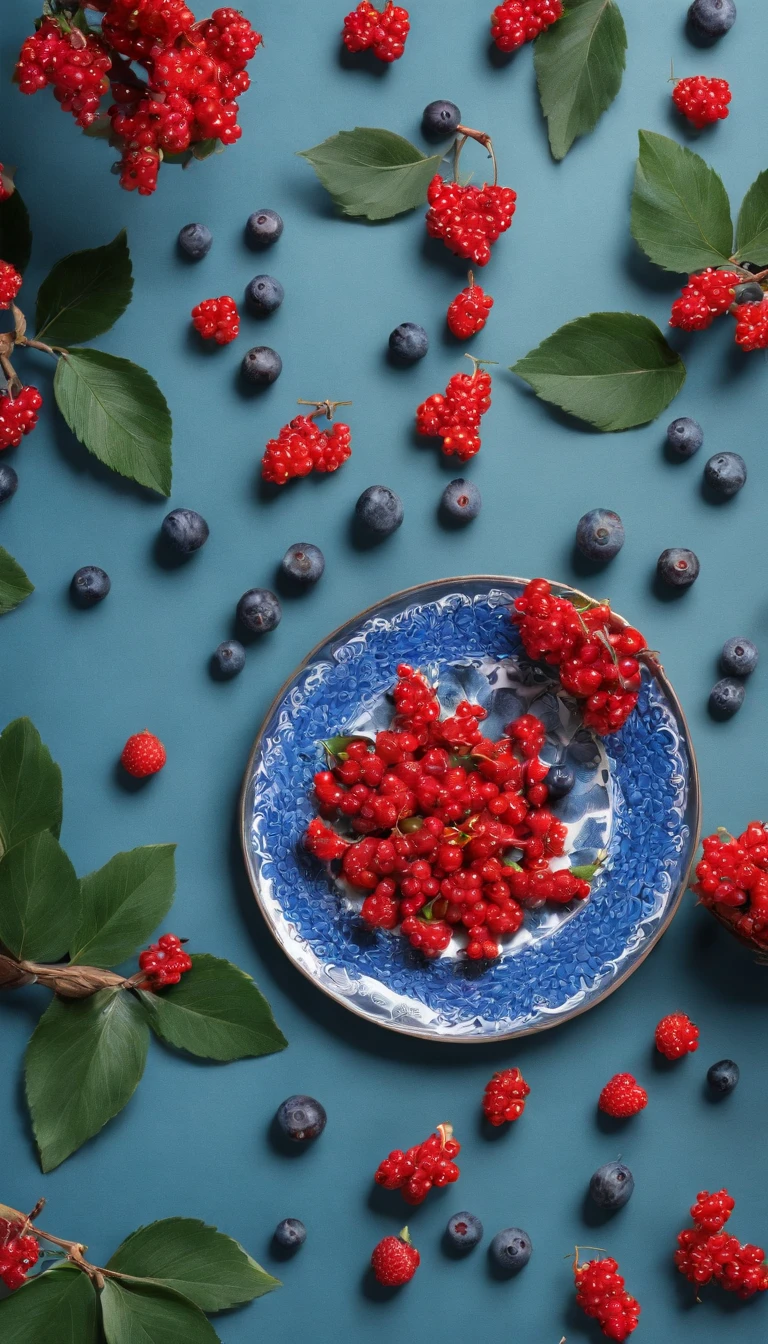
point(263, 228)
point(611, 1185)
point(195, 241)
point(409, 342)
point(89, 586)
point(464, 1231)
point(9, 482)
point(712, 18)
point(440, 118)
point(726, 473)
point(259, 610)
point(461, 499)
point(678, 567)
point(559, 780)
point(600, 534)
point(380, 510)
point(726, 698)
point(301, 1118)
point(303, 562)
point(750, 292)
point(229, 658)
point(264, 295)
point(184, 530)
point(510, 1250)
point(723, 1076)
point(290, 1234)
point(739, 657)
point(261, 366)
point(685, 436)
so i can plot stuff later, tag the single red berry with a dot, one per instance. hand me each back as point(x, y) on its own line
point(165, 961)
point(468, 313)
point(706, 296)
point(217, 319)
point(622, 1096)
point(752, 325)
point(10, 284)
point(702, 100)
point(504, 1097)
point(18, 415)
point(143, 754)
point(676, 1036)
point(518, 21)
point(395, 1261)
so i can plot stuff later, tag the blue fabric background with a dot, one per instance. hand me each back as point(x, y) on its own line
point(195, 1138)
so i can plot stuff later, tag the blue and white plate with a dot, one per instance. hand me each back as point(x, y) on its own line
point(636, 798)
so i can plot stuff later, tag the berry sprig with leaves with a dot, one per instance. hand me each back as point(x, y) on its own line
point(160, 1284)
point(87, 1054)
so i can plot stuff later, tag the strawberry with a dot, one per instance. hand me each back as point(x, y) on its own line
point(143, 754)
point(395, 1260)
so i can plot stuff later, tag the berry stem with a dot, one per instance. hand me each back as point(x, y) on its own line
point(468, 133)
point(325, 408)
point(74, 1249)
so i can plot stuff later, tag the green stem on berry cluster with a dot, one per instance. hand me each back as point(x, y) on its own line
point(468, 133)
point(325, 408)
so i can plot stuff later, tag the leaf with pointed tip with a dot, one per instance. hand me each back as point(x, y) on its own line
point(752, 226)
point(39, 899)
point(15, 231)
point(681, 215)
point(57, 1307)
point(142, 1313)
point(579, 67)
point(372, 172)
point(122, 904)
point(14, 584)
point(198, 1261)
point(216, 1011)
point(30, 785)
point(85, 293)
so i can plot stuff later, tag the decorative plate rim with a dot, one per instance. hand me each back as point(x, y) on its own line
point(657, 671)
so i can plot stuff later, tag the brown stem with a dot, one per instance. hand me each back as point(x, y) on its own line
point(14, 382)
point(325, 408)
point(74, 1249)
point(482, 138)
point(72, 982)
point(54, 350)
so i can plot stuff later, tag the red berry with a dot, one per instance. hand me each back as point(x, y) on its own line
point(601, 1294)
point(18, 415)
point(518, 21)
point(217, 319)
point(676, 1036)
point(469, 219)
point(19, 1252)
point(165, 961)
point(10, 284)
point(384, 32)
point(302, 447)
point(702, 100)
point(143, 754)
point(706, 296)
point(711, 1212)
point(733, 882)
point(75, 64)
point(622, 1096)
point(504, 1097)
point(455, 417)
point(324, 843)
point(752, 325)
point(394, 1260)
point(468, 313)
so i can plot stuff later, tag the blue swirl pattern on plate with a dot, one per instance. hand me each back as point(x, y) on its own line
point(634, 797)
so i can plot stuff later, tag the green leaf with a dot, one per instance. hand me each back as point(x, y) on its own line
point(122, 904)
point(57, 1307)
point(216, 1012)
point(198, 1261)
point(14, 584)
point(85, 293)
point(372, 172)
point(681, 216)
point(614, 370)
point(30, 785)
point(586, 871)
point(579, 67)
point(83, 1064)
point(116, 409)
point(15, 231)
point(39, 899)
point(135, 1313)
point(752, 226)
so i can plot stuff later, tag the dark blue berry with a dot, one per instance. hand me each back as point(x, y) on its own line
point(726, 473)
point(611, 1185)
point(739, 657)
point(229, 658)
point(89, 586)
point(195, 241)
point(259, 610)
point(261, 366)
point(9, 482)
point(749, 292)
point(685, 436)
point(264, 295)
point(290, 1234)
point(409, 342)
point(185, 530)
point(559, 780)
point(464, 1231)
point(301, 1118)
point(723, 1076)
point(440, 118)
point(303, 562)
point(600, 534)
point(712, 18)
point(263, 228)
point(461, 499)
point(726, 697)
point(510, 1250)
point(678, 567)
point(380, 510)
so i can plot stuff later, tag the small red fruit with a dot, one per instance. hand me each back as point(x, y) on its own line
point(383, 31)
point(143, 754)
point(10, 284)
point(515, 22)
point(217, 320)
point(622, 1096)
point(702, 100)
point(165, 961)
point(468, 313)
point(395, 1260)
point(601, 1294)
point(18, 415)
point(676, 1036)
point(504, 1097)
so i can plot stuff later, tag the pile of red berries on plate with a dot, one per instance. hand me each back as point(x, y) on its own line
point(706, 1253)
point(183, 95)
point(456, 834)
point(732, 881)
point(710, 294)
point(18, 1254)
point(382, 32)
point(595, 656)
point(601, 1294)
point(455, 416)
point(417, 1170)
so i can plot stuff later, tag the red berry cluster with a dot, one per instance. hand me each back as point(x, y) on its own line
point(596, 661)
point(732, 881)
point(676, 1036)
point(18, 1253)
point(706, 296)
point(516, 22)
point(752, 325)
point(705, 1252)
point(601, 1294)
point(302, 447)
point(622, 1097)
point(504, 1097)
point(416, 1171)
point(217, 320)
point(382, 32)
point(702, 100)
point(469, 219)
point(440, 807)
point(468, 313)
point(455, 416)
point(165, 961)
point(18, 415)
point(76, 64)
point(10, 284)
